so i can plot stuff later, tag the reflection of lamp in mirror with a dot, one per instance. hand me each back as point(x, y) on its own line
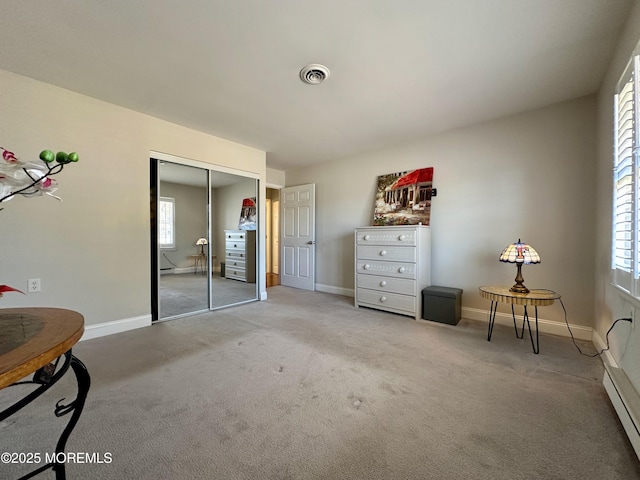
point(519, 253)
point(202, 242)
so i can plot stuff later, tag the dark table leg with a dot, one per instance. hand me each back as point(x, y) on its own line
point(513, 315)
point(535, 345)
point(83, 381)
point(492, 318)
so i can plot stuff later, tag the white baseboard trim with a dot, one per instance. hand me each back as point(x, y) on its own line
point(347, 292)
point(177, 270)
point(263, 296)
point(600, 344)
point(626, 401)
point(580, 332)
point(116, 326)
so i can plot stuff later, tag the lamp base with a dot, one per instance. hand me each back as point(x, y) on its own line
point(519, 288)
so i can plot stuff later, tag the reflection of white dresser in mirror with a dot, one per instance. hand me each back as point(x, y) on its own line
point(240, 255)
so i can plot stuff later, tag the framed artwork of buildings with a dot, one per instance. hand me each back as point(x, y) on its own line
point(404, 198)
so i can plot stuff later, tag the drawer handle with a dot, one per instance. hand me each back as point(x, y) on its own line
point(383, 283)
point(366, 266)
point(383, 253)
point(402, 237)
point(383, 299)
point(367, 237)
point(401, 269)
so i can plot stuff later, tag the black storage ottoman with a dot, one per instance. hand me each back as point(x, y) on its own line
point(442, 304)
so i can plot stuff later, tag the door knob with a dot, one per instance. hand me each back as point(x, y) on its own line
point(311, 242)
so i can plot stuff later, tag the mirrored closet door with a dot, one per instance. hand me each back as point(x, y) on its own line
point(203, 238)
point(233, 239)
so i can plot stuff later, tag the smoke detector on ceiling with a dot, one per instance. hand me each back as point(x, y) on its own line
point(314, 74)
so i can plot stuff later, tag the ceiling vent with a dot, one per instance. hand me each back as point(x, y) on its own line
point(314, 74)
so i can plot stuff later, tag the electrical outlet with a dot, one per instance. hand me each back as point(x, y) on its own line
point(632, 316)
point(34, 285)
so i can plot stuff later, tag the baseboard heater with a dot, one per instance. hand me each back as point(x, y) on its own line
point(626, 401)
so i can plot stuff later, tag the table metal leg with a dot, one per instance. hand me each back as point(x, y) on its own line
point(492, 318)
point(535, 345)
point(84, 382)
point(515, 327)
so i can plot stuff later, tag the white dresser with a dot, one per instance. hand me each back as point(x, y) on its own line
point(393, 265)
point(240, 255)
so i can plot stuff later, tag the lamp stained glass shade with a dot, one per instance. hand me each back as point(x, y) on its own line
point(519, 253)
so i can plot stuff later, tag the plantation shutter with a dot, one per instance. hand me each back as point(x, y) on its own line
point(626, 182)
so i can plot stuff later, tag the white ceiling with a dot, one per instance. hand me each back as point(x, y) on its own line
point(400, 69)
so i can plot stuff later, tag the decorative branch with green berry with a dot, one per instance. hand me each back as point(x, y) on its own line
point(31, 179)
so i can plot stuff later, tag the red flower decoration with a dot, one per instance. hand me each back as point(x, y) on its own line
point(7, 288)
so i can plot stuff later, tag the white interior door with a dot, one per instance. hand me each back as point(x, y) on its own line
point(298, 236)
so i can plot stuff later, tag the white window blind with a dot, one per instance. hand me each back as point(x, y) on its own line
point(626, 182)
point(166, 223)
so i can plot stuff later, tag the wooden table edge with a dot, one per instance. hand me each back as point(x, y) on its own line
point(33, 364)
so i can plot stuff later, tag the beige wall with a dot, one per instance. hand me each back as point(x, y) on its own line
point(92, 250)
point(610, 303)
point(530, 176)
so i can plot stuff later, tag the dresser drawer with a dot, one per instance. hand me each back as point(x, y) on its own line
point(387, 253)
point(390, 269)
point(382, 236)
point(387, 284)
point(231, 236)
point(235, 263)
point(238, 255)
point(235, 245)
point(388, 301)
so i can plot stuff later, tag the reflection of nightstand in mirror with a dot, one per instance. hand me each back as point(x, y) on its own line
point(200, 262)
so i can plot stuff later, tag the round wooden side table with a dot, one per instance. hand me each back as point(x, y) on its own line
point(535, 298)
point(38, 341)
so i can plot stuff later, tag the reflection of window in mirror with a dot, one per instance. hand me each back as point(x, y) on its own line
point(166, 223)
